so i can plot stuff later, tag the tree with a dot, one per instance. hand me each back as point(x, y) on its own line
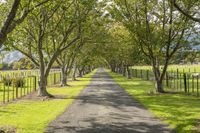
point(12, 18)
point(158, 29)
point(189, 4)
point(67, 59)
point(46, 33)
point(126, 51)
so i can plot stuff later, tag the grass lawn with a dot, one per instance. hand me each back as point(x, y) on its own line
point(180, 111)
point(33, 116)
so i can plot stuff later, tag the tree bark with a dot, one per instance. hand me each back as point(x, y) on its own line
point(192, 17)
point(10, 18)
point(63, 77)
point(159, 86)
point(124, 71)
point(42, 87)
point(121, 69)
point(128, 72)
point(74, 73)
point(80, 72)
point(158, 78)
point(112, 67)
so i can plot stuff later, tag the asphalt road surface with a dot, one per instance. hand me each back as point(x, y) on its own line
point(104, 107)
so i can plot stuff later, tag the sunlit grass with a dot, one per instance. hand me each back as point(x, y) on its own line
point(173, 68)
point(33, 116)
point(182, 112)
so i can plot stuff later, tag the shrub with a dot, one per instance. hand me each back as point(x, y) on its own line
point(7, 81)
point(18, 82)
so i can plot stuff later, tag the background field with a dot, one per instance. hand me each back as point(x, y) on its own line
point(172, 68)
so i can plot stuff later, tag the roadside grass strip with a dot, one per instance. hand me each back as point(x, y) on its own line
point(32, 116)
point(181, 112)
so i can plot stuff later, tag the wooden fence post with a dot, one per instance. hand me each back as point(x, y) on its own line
point(16, 94)
point(54, 78)
point(167, 79)
point(13, 90)
point(4, 93)
point(60, 77)
point(21, 87)
point(35, 83)
point(136, 73)
point(8, 96)
point(188, 80)
point(198, 85)
point(174, 79)
point(180, 76)
point(185, 82)
point(147, 74)
point(177, 79)
point(192, 84)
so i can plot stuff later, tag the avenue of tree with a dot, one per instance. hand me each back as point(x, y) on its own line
point(79, 35)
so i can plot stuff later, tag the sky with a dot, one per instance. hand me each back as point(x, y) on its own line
point(2, 1)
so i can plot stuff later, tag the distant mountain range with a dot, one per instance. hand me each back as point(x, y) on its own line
point(12, 57)
point(15, 55)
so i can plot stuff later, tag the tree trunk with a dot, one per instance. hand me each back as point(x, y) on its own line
point(117, 69)
point(42, 87)
point(74, 73)
point(159, 86)
point(112, 68)
point(128, 72)
point(80, 73)
point(83, 72)
point(90, 69)
point(121, 70)
point(63, 77)
point(158, 78)
point(124, 71)
point(7, 25)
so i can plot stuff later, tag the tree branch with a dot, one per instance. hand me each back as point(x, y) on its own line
point(185, 12)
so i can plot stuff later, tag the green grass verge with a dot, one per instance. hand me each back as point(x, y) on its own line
point(179, 111)
point(33, 116)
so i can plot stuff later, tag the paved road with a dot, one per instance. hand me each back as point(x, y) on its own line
point(104, 107)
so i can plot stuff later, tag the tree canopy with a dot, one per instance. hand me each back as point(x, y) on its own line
point(79, 35)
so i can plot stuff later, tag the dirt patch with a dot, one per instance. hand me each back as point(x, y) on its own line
point(7, 129)
point(59, 86)
point(33, 97)
point(197, 127)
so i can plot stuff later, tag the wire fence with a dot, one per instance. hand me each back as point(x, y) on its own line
point(175, 81)
point(14, 85)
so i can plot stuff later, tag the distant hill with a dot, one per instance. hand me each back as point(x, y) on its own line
point(12, 57)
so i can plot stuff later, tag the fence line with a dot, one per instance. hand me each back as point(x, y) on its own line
point(16, 85)
point(176, 81)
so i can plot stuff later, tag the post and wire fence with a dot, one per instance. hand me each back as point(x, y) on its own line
point(176, 81)
point(15, 85)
